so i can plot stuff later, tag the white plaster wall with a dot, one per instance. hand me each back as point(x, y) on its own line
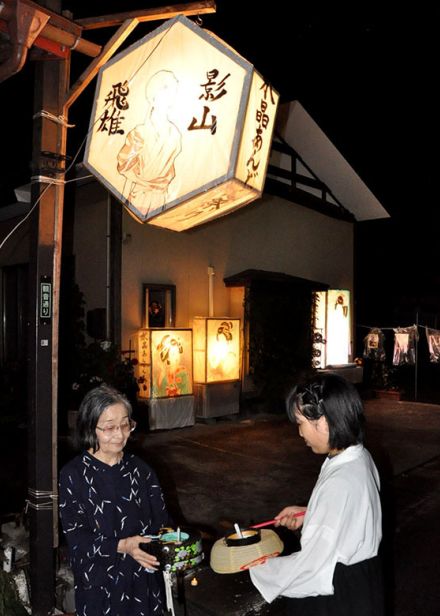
point(270, 234)
point(89, 245)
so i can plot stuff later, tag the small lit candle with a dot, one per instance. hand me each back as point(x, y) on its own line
point(194, 581)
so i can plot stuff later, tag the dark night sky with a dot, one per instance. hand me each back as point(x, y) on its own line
point(364, 71)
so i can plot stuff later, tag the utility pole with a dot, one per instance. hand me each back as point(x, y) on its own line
point(48, 161)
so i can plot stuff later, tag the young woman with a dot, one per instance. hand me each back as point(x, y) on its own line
point(337, 571)
point(109, 503)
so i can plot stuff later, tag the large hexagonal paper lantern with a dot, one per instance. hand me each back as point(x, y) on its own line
point(181, 127)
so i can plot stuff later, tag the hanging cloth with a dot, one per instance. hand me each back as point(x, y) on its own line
point(433, 337)
point(374, 345)
point(405, 339)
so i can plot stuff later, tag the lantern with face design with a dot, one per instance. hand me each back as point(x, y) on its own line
point(165, 363)
point(216, 349)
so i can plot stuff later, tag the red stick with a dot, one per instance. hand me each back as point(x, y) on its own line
point(269, 522)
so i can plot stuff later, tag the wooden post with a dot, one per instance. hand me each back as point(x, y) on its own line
point(48, 161)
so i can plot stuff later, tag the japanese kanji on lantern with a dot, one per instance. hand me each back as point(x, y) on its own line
point(181, 127)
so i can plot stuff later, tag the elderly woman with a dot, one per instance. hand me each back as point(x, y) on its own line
point(110, 503)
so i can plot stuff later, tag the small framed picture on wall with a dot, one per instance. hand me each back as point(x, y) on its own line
point(159, 305)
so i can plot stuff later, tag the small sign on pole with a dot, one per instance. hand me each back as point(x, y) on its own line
point(45, 299)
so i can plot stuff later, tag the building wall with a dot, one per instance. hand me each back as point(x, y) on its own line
point(270, 234)
point(15, 249)
point(90, 243)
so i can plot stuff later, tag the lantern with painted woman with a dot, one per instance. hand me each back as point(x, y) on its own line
point(332, 328)
point(216, 349)
point(181, 127)
point(217, 361)
point(164, 363)
point(165, 376)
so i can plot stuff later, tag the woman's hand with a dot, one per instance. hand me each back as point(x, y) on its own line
point(130, 546)
point(289, 517)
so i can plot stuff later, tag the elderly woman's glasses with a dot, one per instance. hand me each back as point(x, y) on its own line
point(125, 427)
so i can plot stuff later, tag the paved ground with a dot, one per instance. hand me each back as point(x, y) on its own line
point(247, 468)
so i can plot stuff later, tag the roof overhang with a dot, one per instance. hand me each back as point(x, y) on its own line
point(301, 133)
point(249, 277)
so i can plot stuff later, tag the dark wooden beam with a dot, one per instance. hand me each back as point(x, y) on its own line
point(189, 8)
point(109, 49)
point(290, 189)
point(59, 31)
point(304, 198)
point(46, 221)
point(297, 178)
point(251, 276)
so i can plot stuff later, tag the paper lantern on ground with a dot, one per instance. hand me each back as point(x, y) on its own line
point(181, 127)
point(226, 559)
point(165, 363)
point(216, 349)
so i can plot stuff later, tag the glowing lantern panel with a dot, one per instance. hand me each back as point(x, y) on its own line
point(332, 328)
point(165, 363)
point(319, 329)
point(216, 349)
point(181, 127)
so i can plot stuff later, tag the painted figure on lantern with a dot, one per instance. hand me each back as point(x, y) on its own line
point(147, 157)
point(170, 376)
point(222, 358)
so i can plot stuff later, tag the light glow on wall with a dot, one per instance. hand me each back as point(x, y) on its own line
point(181, 127)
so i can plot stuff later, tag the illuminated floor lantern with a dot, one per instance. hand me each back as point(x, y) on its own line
point(165, 376)
point(216, 349)
point(216, 365)
point(181, 127)
point(332, 328)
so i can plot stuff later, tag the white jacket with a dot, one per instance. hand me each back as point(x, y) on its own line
point(343, 523)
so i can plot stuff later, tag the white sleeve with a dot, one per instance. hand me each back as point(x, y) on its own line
point(342, 524)
point(309, 572)
point(302, 574)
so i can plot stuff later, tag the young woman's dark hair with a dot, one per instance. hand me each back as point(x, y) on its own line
point(335, 398)
point(94, 403)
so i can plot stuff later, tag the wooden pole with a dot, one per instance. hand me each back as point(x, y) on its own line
point(49, 148)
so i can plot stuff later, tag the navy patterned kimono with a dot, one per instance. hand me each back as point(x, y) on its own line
point(99, 505)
